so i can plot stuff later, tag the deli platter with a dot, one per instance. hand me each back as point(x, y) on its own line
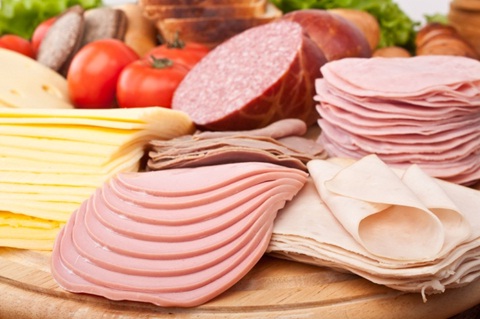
point(240, 159)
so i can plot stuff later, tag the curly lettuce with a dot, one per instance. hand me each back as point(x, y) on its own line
point(396, 27)
point(21, 17)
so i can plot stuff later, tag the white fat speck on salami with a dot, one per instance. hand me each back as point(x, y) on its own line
point(262, 75)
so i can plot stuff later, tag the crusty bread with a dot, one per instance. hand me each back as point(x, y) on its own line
point(194, 2)
point(141, 34)
point(62, 40)
point(255, 8)
point(464, 16)
point(104, 23)
point(213, 30)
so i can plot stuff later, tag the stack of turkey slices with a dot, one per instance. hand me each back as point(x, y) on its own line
point(53, 159)
point(423, 110)
point(399, 228)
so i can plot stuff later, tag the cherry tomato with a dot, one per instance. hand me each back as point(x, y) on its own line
point(40, 32)
point(187, 53)
point(94, 71)
point(18, 44)
point(149, 82)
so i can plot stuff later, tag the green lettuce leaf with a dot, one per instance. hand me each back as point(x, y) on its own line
point(396, 27)
point(21, 17)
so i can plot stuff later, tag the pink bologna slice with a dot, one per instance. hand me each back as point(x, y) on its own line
point(106, 250)
point(260, 76)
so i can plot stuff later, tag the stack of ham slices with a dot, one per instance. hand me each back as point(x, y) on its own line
point(54, 159)
point(399, 228)
point(175, 237)
point(423, 110)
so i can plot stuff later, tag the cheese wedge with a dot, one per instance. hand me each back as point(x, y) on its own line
point(25, 83)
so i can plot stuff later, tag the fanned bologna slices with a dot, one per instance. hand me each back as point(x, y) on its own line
point(176, 237)
point(423, 110)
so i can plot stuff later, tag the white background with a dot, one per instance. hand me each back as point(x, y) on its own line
point(415, 9)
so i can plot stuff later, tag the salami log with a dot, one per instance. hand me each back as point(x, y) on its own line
point(258, 77)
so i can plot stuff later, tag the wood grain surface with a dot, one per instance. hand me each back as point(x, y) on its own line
point(275, 288)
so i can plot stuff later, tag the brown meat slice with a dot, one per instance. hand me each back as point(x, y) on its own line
point(193, 152)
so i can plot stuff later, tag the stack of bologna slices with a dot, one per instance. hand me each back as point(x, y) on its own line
point(423, 110)
point(175, 237)
point(54, 159)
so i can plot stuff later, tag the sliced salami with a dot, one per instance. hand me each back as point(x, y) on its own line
point(262, 75)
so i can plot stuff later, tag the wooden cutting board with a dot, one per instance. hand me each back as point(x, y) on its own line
point(275, 288)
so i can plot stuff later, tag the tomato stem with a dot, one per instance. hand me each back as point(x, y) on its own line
point(177, 43)
point(160, 63)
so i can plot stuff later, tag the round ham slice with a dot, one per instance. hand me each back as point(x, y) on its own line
point(262, 75)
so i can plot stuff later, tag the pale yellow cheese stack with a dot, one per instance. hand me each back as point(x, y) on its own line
point(51, 160)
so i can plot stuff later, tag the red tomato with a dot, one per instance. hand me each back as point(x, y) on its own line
point(189, 53)
point(94, 71)
point(149, 82)
point(18, 44)
point(40, 32)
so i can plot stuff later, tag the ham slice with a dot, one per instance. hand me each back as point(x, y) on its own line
point(400, 228)
point(175, 237)
point(431, 120)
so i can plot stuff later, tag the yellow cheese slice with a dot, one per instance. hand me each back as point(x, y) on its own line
point(52, 190)
point(18, 220)
point(128, 162)
point(46, 210)
point(32, 244)
point(26, 83)
point(62, 198)
point(58, 145)
point(83, 133)
point(172, 121)
point(27, 233)
point(89, 180)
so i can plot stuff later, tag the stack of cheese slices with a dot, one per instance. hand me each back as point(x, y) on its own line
point(209, 22)
point(399, 228)
point(53, 159)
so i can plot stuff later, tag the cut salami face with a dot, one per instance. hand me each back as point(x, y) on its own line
point(423, 110)
point(262, 75)
point(176, 237)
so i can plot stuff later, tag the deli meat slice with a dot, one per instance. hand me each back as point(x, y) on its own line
point(423, 110)
point(175, 237)
point(399, 228)
point(255, 78)
point(283, 142)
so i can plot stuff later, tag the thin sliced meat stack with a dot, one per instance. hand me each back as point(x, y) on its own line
point(399, 228)
point(176, 237)
point(282, 142)
point(423, 110)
